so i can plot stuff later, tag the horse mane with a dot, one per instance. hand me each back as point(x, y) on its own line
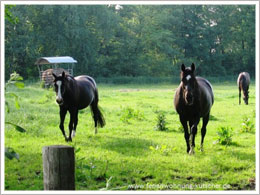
point(71, 84)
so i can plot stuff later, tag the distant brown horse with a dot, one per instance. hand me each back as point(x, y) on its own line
point(243, 82)
point(193, 100)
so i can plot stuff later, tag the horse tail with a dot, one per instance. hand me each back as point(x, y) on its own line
point(96, 112)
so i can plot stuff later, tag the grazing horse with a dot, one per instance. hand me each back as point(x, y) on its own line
point(193, 100)
point(74, 94)
point(243, 82)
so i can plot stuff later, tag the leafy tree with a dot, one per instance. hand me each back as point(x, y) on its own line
point(135, 40)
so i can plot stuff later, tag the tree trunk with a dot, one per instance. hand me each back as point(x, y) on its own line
point(58, 167)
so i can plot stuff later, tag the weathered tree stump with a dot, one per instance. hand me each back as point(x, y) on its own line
point(58, 167)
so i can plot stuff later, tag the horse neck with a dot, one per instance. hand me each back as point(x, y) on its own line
point(196, 89)
point(71, 89)
point(244, 83)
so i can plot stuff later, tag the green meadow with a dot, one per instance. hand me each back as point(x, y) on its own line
point(129, 153)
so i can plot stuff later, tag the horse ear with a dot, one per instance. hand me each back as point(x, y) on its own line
point(183, 67)
point(193, 67)
point(54, 75)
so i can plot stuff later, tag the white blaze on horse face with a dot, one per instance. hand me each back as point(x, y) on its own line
point(188, 77)
point(59, 97)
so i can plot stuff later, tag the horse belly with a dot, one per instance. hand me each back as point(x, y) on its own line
point(86, 97)
point(85, 100)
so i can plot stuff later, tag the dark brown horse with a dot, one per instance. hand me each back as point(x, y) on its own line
point(243, 82)
point(193, 100)
point(74, 94)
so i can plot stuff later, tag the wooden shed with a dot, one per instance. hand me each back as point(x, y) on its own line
point(49, 65)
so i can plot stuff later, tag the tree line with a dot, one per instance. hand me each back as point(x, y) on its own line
point(132, 40)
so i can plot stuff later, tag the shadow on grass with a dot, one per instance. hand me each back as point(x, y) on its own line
point(244, 156)
point(236, 144)
point(128, 146)
point(213, 118)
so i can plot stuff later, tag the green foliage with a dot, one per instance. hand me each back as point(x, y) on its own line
point(15, 80)
point(17, 127)
point(138, 40)
point(161, 122)
point(42, 84)
point(224, 135)
point(10, 153)
point(128, 113)
point(247, 125)
point(9, 16)
point(163, 149)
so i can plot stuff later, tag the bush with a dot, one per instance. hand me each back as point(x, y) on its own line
point(129, 113)
point(247, 125)
point(161, 122)
point(224, 135)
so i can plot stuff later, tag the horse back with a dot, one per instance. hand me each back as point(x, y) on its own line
point(206, 95)
point(243, 79)
point(87, 87)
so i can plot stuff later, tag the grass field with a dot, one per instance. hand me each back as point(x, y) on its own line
point(128, 153)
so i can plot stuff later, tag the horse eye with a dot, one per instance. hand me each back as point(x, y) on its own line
point(55, 87)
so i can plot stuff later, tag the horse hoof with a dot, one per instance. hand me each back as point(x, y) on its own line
point(68, 139)
point(73, 133)
point(201, 149)
point(191, 152)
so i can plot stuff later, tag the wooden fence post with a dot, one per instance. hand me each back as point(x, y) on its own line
point(58, 167)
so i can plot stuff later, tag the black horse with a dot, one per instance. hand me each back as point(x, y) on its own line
point(193, 100)
point(243, 82)
point(74, 94)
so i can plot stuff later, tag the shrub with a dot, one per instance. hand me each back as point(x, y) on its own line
point(224, 135)
point(161, 122)
point(129, 113)
point(247, 125)
point(163, 149)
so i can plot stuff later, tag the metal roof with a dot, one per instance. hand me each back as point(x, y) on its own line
point(55, 60)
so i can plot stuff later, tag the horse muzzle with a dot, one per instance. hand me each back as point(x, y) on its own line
point(59, 101)
point(189, 100)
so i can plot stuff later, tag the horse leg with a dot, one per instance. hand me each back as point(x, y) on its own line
point(204, 130)
point(73, 134)
point(63, 113)
point(193, 132)
point(239, 95)
point(247, 95)
point(186, 132)
point(95, 114)
point(71, 124)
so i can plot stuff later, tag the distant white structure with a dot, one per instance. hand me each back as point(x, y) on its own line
point(118, 7)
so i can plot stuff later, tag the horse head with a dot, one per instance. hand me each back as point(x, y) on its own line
point(246, 96)
point(60, 86)
point(189, 83)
